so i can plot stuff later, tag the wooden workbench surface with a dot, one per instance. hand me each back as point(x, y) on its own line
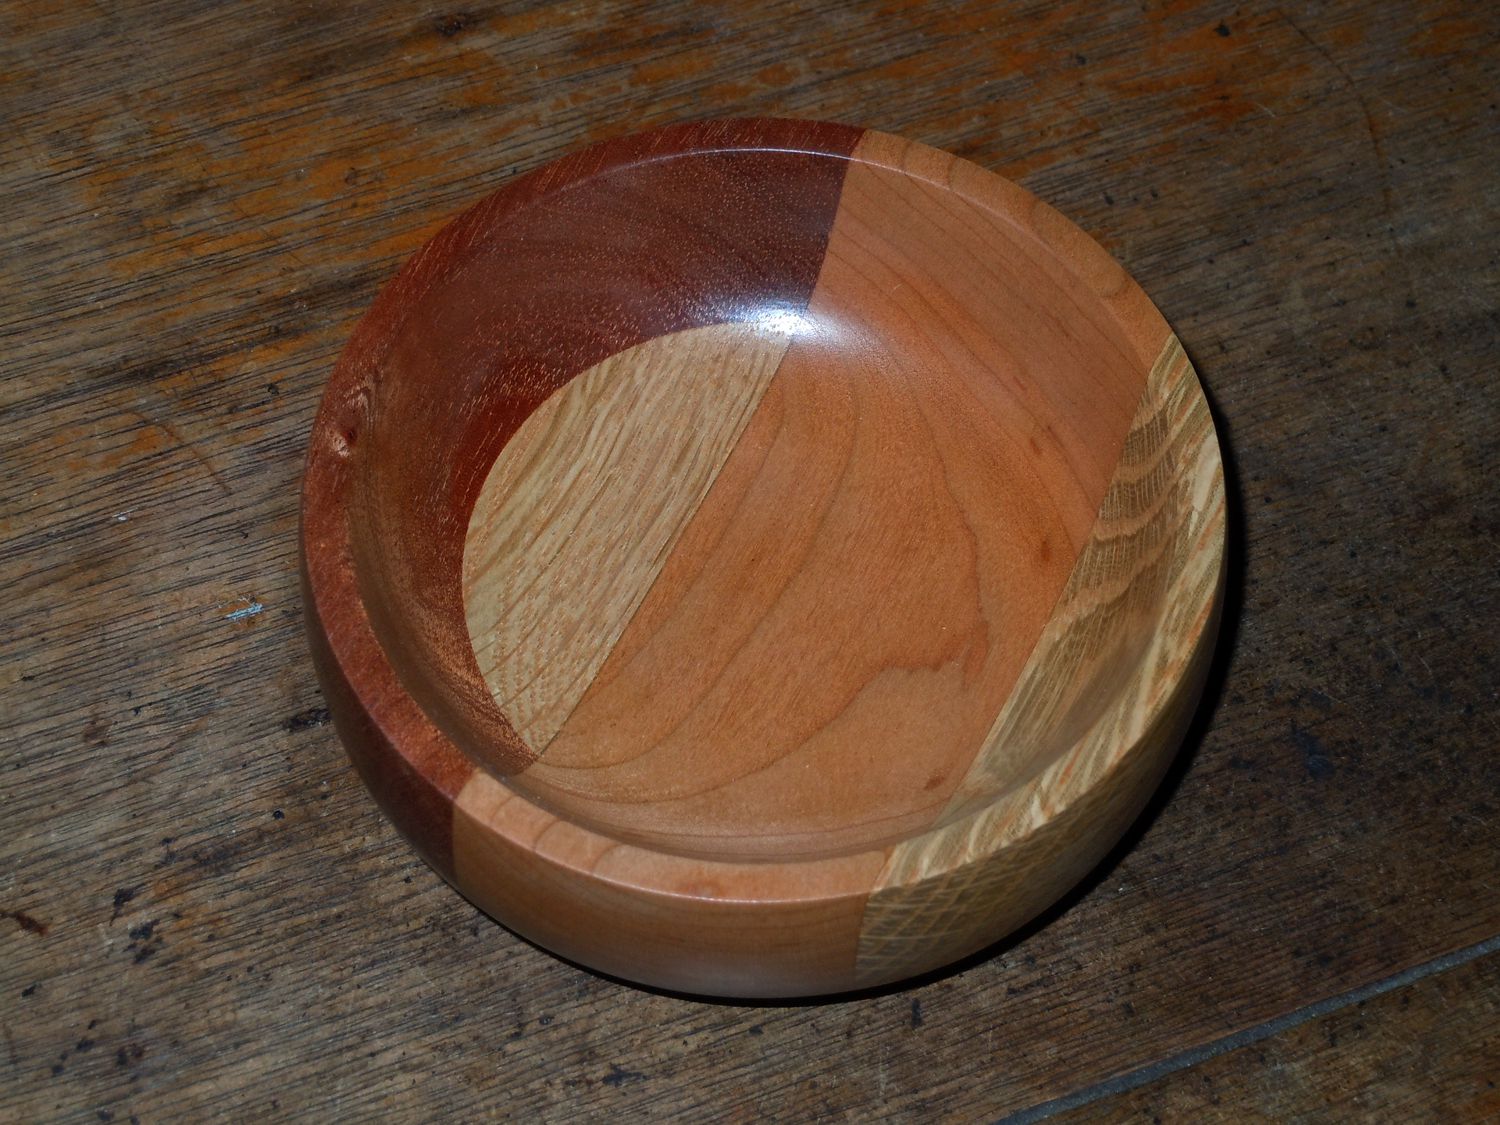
point(201, 910)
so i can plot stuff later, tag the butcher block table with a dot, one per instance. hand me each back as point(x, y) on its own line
point(202, 912)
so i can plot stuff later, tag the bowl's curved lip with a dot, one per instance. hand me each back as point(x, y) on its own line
point(338, 615)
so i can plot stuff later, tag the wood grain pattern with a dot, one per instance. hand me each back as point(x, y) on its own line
point(1136, 607)
point(1310, 195)
point(584, 505)
point(688, 923)
point(1428, 1051)
point(751, 599)
point(1106, 693)
point(388, 506)
point(849, 609)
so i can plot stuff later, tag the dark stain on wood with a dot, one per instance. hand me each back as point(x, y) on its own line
point(26, 922)
point(145, 941)
point(453, 24)
point(122, 897)
point(307, 719)
point(1319, 765)
point(619, 1075)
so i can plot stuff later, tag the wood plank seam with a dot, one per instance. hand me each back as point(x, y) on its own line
point(1247, 1037)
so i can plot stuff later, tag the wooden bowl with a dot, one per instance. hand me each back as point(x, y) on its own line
point(762, 558)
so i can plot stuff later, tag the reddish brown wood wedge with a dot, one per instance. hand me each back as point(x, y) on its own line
point(762, 558)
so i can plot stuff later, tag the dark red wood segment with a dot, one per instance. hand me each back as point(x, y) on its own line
point(686, 226)
point(414, 783)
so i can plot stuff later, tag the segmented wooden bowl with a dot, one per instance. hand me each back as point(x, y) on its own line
point(762, 558)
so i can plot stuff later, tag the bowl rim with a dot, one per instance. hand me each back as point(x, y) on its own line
point(349, 648)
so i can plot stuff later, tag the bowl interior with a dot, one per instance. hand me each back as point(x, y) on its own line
point(719, 501)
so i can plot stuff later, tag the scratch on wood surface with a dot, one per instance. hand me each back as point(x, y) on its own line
point(1377, 148)
point(186, 446)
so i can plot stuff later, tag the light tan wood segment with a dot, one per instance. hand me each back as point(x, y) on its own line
point(585, 503)
point(729, 929)
point(1107, 690)
point(831, 640)
point(1002, 235)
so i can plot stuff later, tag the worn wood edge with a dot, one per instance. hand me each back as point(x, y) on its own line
point(1422, 1045)
point(1020, 852)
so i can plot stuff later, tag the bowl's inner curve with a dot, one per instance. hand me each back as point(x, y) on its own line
point(756, 580)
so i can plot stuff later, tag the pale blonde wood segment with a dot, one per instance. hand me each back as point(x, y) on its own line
point(1095, 646)
point(584, 504)
point(834, 634)
point(1108, 690)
